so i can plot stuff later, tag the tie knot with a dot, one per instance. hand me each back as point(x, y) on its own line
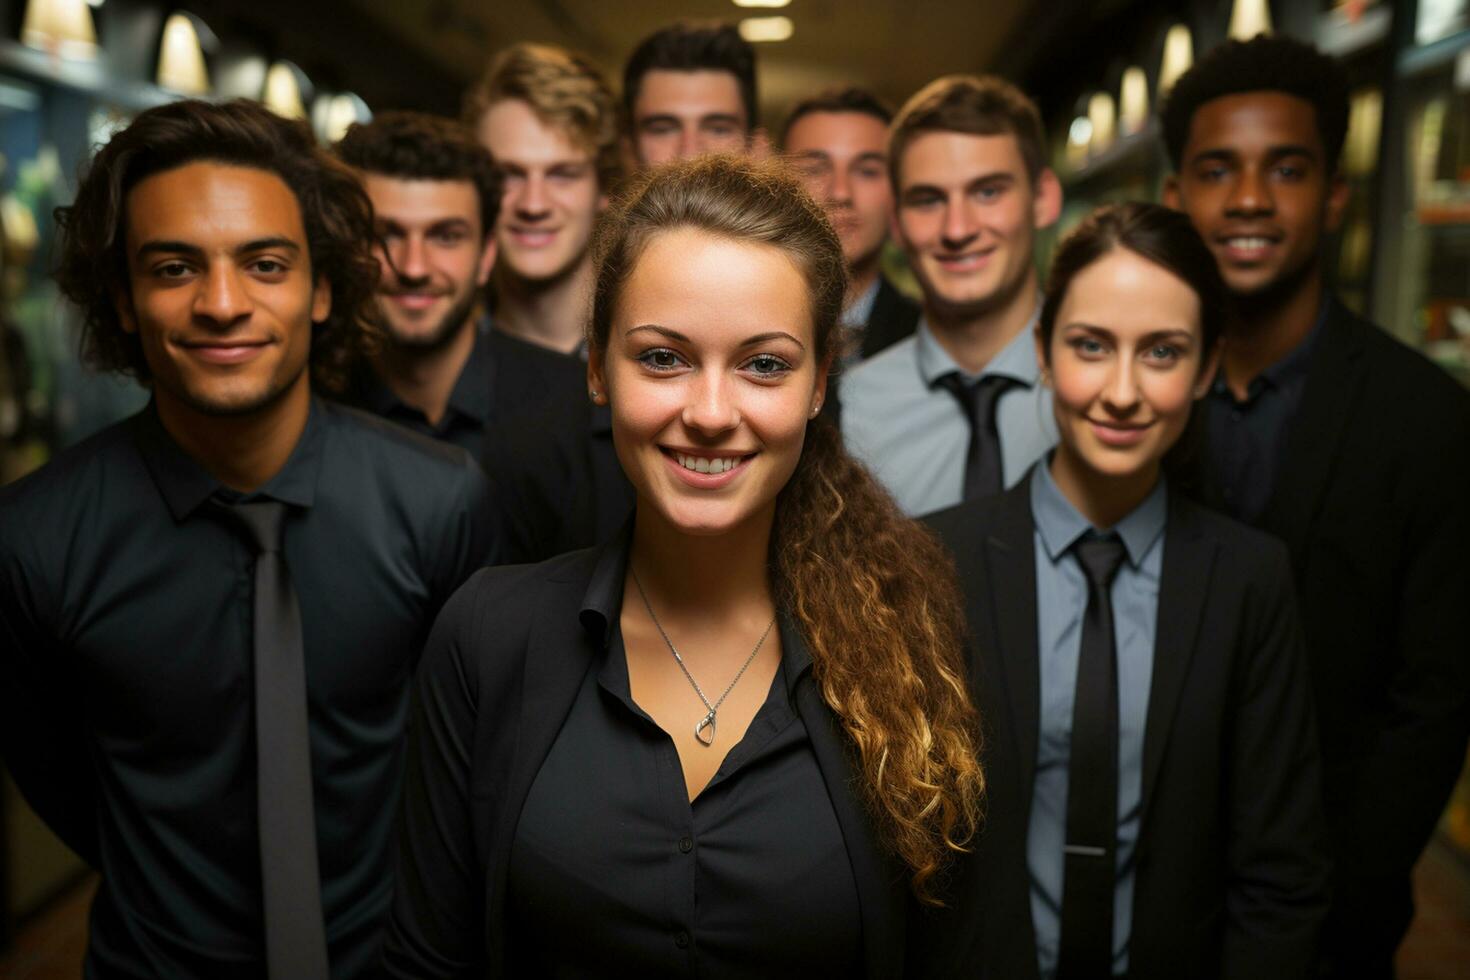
point(262, 520)
point(1100, 557)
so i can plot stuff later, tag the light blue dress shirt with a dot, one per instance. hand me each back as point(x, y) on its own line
point(914, 435)
point(1061, 601)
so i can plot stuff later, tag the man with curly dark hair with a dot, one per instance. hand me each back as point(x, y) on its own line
point(209, 612)
point(1326, 431)
point(441, 370)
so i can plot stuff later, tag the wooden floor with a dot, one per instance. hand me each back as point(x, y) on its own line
point(1437, 947)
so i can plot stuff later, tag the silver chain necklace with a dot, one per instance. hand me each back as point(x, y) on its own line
point(704, 732)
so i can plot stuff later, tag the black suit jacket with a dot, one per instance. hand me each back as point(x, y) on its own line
point(1231, 877)
point(498, 678)
point(559, 485)
point(894, 316)
point(1373, 501)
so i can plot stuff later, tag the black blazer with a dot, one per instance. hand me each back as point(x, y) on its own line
point(1373, 501)
point(559, 485)
point(1231, 878)
point(498, 678)
point(894, 317)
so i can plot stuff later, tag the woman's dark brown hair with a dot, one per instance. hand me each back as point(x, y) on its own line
point(1166, 238)
point(338, 218)
point(874, 593)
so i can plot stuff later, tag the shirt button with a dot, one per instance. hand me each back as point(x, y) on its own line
point(682, 940)
point(685, 845)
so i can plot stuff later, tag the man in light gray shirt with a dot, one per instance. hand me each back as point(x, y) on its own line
point(959, 410)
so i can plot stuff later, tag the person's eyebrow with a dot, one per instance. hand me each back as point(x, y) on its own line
point(721, 117)
point(813, 154)
point(764, 338)
point(662, 331)
point(872, 156)
point(760, 338)
point(658, 119)
point(1218, 154)
point(165, 246)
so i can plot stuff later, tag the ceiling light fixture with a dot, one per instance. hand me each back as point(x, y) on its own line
point(283, 90)
point(760, 29)
point(1133, 99)
point(1249, 18)
point(60, 27)
point(1178, 57)
point(767, 4)
point(181, 57)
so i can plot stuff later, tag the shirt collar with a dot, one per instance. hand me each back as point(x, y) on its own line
point(185, 484)
point(470, 396)
point(1016, 360)
point(602, 605)
point(856, 314)
point(1060, 524)
point(1291, 367)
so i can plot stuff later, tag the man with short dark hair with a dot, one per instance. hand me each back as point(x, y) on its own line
point(958, 411)
point(209, 613)
point(442, 371)
point(690, 89)
point(1352, 448)
point(838, 143)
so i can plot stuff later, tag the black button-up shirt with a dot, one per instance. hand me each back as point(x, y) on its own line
point(465, 417)
point(1247, 439)
point(751, 879)
point(126, 684)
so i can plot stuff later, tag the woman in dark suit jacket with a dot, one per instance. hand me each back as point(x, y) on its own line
point(735, 741)
point(1152, 767)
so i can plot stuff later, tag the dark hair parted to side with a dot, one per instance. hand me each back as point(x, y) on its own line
point(1265, 63)
point(874, 593)
point(1166, 238)
point(418, 146)
point(693, 47)
point(337, 216)
point(851, 99)
point(975, 105)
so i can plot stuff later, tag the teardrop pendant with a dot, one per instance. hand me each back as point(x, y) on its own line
point(705, 730)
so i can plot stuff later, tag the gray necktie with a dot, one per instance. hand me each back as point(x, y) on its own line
point(295, 935)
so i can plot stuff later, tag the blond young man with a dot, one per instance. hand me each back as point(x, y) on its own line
point(549, 119)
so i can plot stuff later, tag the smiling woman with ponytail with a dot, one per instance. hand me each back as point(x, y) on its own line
point(737, 739)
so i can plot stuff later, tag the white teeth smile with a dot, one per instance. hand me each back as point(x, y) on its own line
point(1248, 243)
point(701, 464)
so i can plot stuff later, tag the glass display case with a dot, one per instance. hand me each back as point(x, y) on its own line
point(1432, 307)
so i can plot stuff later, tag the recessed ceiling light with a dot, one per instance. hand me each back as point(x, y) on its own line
point(768, 4)
point(757, 29)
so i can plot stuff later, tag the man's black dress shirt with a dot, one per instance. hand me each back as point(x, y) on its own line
point(126, 691)
point(503, 378)
point(1247, 439)
point(750, 879)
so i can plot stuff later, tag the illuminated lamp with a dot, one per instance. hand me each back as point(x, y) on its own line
point(1249, 18)
point(1102, 112)
point(1178, 57)
point(759, 29)
point(61, 27)
point(1133, 96)
point(283, 90)
point(181, 58)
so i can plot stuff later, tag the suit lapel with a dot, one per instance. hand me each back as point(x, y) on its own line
point(1011, 559)
point(1189, 559)
point(1334, 385)
point(880, 884)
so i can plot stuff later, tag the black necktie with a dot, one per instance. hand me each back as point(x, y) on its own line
point(295, 937)
point(1089, 868)
point(983, 473)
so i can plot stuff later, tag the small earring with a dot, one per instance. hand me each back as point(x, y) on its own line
point(592, 395)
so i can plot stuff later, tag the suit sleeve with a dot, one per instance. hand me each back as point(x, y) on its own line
point(1420, 748)
point(42, 725)
point(436, 926)
point(1278, 870)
